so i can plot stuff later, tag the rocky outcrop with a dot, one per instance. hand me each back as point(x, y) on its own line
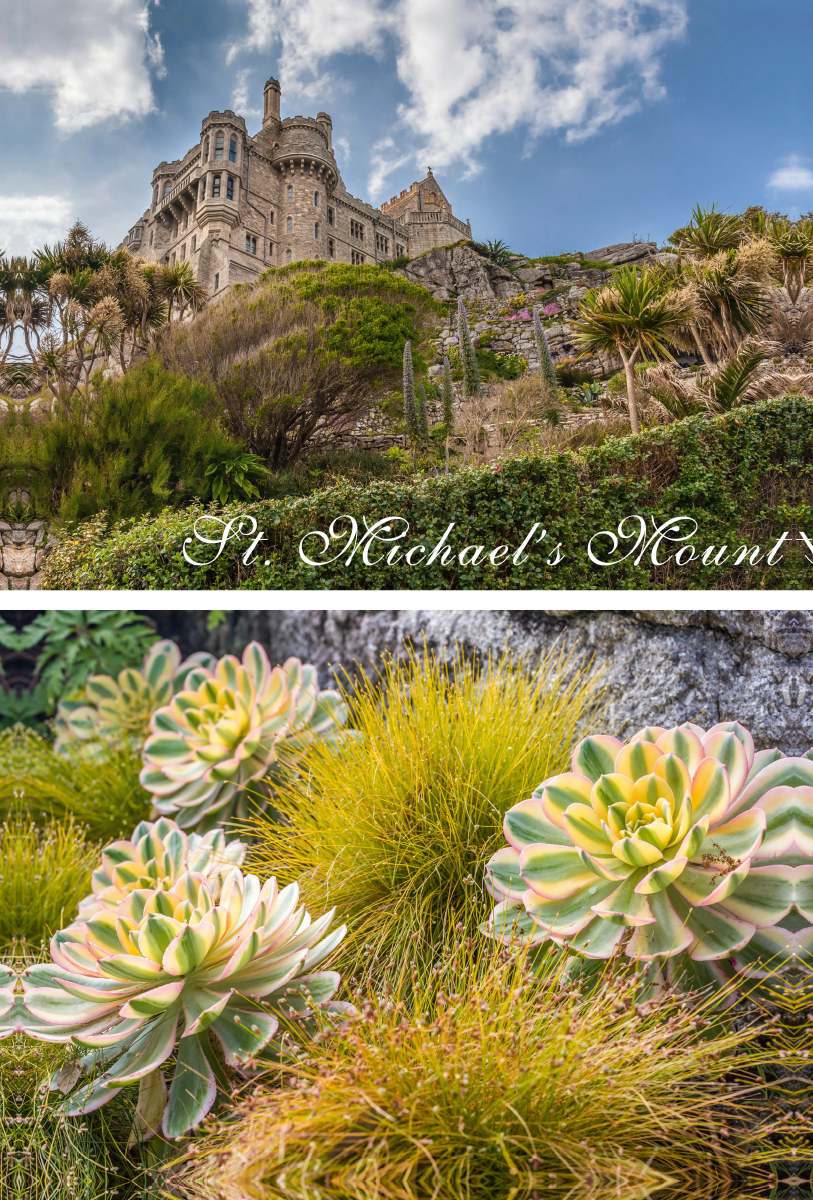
point(459, 271)
point(660, 667)
point(622, 252)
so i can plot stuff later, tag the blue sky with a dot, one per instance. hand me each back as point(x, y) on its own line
point(552, 124)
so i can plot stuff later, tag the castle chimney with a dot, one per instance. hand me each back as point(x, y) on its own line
point(326, 125)
point(271, 100)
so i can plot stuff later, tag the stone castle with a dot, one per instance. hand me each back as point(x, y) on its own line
point(235, 205)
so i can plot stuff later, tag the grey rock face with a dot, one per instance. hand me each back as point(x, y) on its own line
point(661, 667)
point(536, 275)
point(460, 271)
point(623, 252)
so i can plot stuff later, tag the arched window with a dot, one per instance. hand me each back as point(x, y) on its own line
point(290, 194)
point(232, 150)
point(205, 149)
point(219, 146)
point(167, 188)
point(315, 199)
point(288, 256)
point(229, 188)
point(316, 230)
point(289, 227)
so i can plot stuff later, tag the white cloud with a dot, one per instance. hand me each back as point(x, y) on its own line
point(94, 57)
point(343, 145)
point(26, 222)
point(475, 69)
point(793, 177)
point(239, 96)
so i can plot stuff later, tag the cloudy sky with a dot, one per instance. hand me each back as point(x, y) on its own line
point(555, 125)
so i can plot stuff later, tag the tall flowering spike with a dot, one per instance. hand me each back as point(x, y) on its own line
point(225, 728)
point(116, 712)
point(422, 412)
point(410, 405)
point(173, 972)
point(662, 847)
point(546, 369)
point(471, 372)
point(447, 393)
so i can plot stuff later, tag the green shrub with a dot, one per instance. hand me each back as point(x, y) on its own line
point(130, 446)
point(103, 796)
point(396, 828)
point(504, 366)
point(44, 873)
point(744, 477)
point(494, 1084)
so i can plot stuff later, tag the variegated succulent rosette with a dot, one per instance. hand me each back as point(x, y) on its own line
point(224, 730)
point(115, 712)
point(165, 972)
point(679, 845)
point(153, 858)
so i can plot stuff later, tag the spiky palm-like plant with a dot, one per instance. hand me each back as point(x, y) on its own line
point(709, 232)
point(637, 316)
point(793, 242)
point(471, 372)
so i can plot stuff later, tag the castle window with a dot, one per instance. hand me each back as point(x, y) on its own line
point(248, 244)
point(289, 226)
point(167, 188)
point(217, 282)
point(330, 216)
point(185, 220)
point(174, 228)
point(253, 245)
point(290, 194)
point(205, 149)
point(194, 243)
point(215, 186)
point(357, 230)
point(219, 146)
point(271, 218)
point(270, 249)
point(288, 256)
point(382, 244)
point(183, 251)
point(137, 234)
point(399, 251)
point(155, 195)
point(203, 188)
point(330, 247)
point(229, 188)
point(356, 258)
point(232, 150)
point(316, 230)
point(173, 258)
point(151, 233)
point(315, 199)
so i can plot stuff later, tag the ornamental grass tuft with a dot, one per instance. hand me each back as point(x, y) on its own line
point(44, 873)
point(394, 828)
point(495, 1081)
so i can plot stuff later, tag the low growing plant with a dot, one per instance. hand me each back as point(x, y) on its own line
point(492, 1082)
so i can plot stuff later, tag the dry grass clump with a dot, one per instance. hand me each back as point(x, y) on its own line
point(498, 1083)
point(44, 873)
point(395, 828)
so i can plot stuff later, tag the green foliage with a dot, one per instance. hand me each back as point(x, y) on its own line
point(742, 476)
point(396, 827)
point(504, 366)
point(493, 1081)
point(44, 873)
point(395, 264)
point(730, 384)
point(235, 475)
point(499, 253)
point(708, 232)
point(104, 797)
point(75, 644)
point(128, 446)
point(570, 374)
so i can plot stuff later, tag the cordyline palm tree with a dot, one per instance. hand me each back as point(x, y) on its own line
point(181, 288)
point(793, 242)
point(708, 232)
point(638, 316)
point(730, 300)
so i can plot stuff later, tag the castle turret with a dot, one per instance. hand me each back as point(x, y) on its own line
point(326, 125)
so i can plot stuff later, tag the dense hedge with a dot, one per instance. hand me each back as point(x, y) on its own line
point(745, 478)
